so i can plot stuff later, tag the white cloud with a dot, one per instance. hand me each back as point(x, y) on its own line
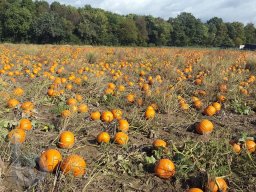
point(230, 10)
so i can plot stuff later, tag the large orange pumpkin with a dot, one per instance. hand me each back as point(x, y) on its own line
point(12, 103)
point(216, 185)
point(17, 136)
point(66, 140)
point(204, 127)
point(25, 124)
point(49, 160)
point(107, 116)
point(74, 164)
point(217, 106)
point(121, 138)
point(194, 190)
point(103, 137)
point(210, 110)
point(164, 168)
point(123, 125)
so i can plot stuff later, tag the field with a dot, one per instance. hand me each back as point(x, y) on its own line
point(163, 93)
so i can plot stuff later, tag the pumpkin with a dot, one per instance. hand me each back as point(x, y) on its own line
point(130, 98)
point(121, 138)
point(18, 91)
point(210, 110)
point(73, 164)
point(27, 106)
point(123, 125)
point(217, 106)
point(66, 113)
point(236, 148)
point(216, 185)
point(221, 98)
point(107, 116)
point(82, 108)
point(117, 113)
point(25, 124)
point(111, 86)
point(12, 103)
point(194, 190)
point(66, 140)
point(204, 127)
point(140, 101)
point(103, 137)
point(71, 101)
point(49, 160)
point(150, 113)
point(250, 145)
point(95, 115)
point(159, 143)
point(17, 136)
point(164, 168)
point(79, 98)
point(198, 104)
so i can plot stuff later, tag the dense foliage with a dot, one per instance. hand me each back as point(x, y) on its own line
point(40, 22)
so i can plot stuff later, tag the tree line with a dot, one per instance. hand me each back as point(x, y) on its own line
point(28, 21)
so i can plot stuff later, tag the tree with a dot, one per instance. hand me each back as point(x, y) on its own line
point(49, 28)
point(236, 33)
point(250, 33)
point(127, 32)
point(141, 25)
point(16, 22)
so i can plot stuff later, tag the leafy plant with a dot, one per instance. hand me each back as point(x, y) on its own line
point(240, 107)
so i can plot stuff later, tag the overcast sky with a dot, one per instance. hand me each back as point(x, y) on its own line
point(230, 10)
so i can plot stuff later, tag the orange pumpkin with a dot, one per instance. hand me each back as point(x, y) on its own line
point(82, 108)
point(12, 103)
point(107, 116)
point(25, 124)
point(123, 125)
point(221, 98)
point(164, 168)
point(95, 115)
point(150, 113)
point(17, 136)
point(236, 148)
point(210, 110)
point(250, 145)
point(79, 98)
point(49, 160)
point(159, 143)
point(194, 190)
point(71, 101)
point(18, 91)
point(121, 138)
point(74, 164)
point(198, 104)
point(66, 140)
point(204, 127)
point(217, 106)
point(103, 137)
point(117, 113)
point(216, 185)
point(66, 113)
point(27, 106)
point(130, 98)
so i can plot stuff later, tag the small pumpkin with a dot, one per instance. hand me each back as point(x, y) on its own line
point(210, 110)
point(95, 115)
point(117, 113)
point(18, 91)
point(130, 98)
point(107, 116)
point(66, 140)
point(66, 113)
point(159, 143)
point(204, 127)
point(73, 164)
point(25, 124)
point(121, 138)
point(103, 137)
point(79, 97)
point(82, 108)
point(164, 168)
point(194, 190)
point(150, 113)
point(123, 125)
point(49, 160)
point(71, 101)
point(216, 185)
point(217, 106)
point(12, 103)
point(27, 106)
point(17, 136)
point(250, 146)
point(198, 104)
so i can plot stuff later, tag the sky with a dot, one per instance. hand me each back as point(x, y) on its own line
point(229, 10)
